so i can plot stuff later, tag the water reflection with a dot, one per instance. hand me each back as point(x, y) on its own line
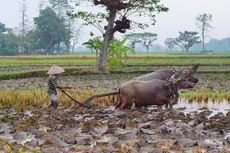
point(190, 107)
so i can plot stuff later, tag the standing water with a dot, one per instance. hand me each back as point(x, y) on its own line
point(190, 107)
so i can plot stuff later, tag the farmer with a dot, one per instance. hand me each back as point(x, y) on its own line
point(53, 84)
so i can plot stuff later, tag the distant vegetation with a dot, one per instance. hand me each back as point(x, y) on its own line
point(36, 66)
point(54, 32)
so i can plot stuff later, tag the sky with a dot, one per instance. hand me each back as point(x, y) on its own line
point(181, 16)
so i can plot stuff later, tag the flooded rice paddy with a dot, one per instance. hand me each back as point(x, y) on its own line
point(192, 126)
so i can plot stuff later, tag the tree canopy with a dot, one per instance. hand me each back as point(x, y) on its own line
point(52, 30)
point(170, 43)
point(118, 16)
point(203, 23)
point(2, 28)
point(187, 39)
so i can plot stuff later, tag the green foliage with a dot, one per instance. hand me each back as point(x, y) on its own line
point(94, 43)
point(148, 39)
point(123, 9)
point(89, 18)
point(118, 52)
point(117, 18)
point(58, 3)
point(133, 39)
point(187, 39)
point(51, 30)
point(170, 43)
point(8, 43)
point(2, 28)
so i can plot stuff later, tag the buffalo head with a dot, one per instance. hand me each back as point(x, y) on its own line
point(187, 74)
point(184, 79)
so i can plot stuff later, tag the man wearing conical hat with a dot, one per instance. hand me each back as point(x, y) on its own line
point(53, 84)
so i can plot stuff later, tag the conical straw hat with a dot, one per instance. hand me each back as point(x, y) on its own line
point(55, 70)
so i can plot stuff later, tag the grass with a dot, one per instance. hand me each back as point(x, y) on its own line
point(20, 62)
point(14, 67)
point(205, 96)
point(42, 73)
point(137, 63)
point(138, 55)
point(89, 59)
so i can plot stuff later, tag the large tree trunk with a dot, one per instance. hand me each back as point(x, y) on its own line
point(105, 44)
point(203, 39)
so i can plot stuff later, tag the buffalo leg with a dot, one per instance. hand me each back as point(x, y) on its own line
point(166, 106)
point(170, 105)
point(168, 102)
point(175, 99)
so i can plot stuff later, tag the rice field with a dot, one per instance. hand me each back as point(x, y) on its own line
point(213, 75)
point(24, 103)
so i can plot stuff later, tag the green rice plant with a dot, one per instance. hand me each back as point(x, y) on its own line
point(156, 59)
point(206, 95)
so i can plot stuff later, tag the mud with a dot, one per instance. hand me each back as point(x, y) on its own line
point(112, 131)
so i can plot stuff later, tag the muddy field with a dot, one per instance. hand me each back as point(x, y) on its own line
point(109, 130)
point(191, 127)
point(210, 81)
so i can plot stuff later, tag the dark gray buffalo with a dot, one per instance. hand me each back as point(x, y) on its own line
point(165, 74)
point(154, 92)
point(163, 81)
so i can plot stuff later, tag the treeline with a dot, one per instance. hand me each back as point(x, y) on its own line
point(213, 45)
point(52, 33)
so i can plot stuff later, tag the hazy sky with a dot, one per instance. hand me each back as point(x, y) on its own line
point(180, 17)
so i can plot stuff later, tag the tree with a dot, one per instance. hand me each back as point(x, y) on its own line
point(75, 38)
point(23, 28)
point(170, 43)
point(118, 19)
point(2, 28)
point(203, 23)
point(34, 42)
point(133, 38)
point(8, 42)
point(187, 39)
point(118, 53)
point(148, 39)
point(94, 44)
point(52, 30)
point(60, 6)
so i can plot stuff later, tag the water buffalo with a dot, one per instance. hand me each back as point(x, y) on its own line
point(160, 76)
point(154, 92)
point(165, 74)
